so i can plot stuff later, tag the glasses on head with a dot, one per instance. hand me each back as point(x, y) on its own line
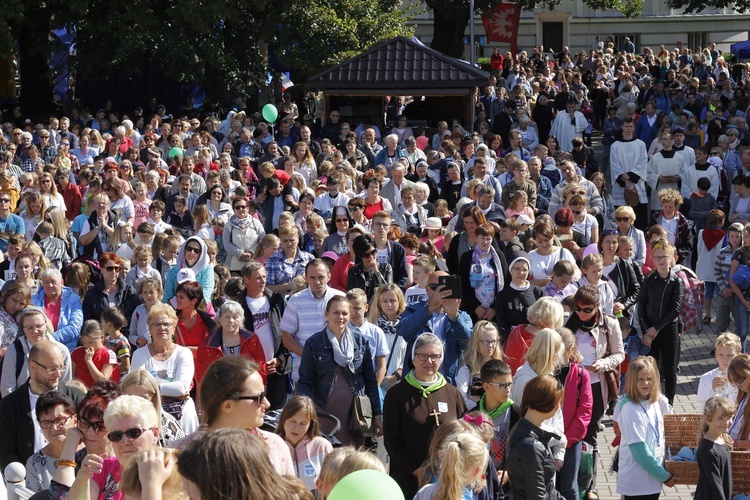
point(134, 433)
point(85, 425)
point(160, 326)
point(58, 422)
point(609, 232)
point(258, 399)
point(113, 269)
point(50, 369)
point(587, 310)
point(622, 219)
point(488, 343)
point(433, 358)
point(502, 386)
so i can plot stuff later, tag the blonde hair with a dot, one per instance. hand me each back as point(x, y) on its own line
point(520, 200)
point(343, 461)
point(32, 248)
point(131, 406)
point(463, 455)
point(172, 487)
point(200, 216)
point(143, 379)
point(374, 313)
point(430, 469)
point(546, 313)
point(471, 355)
point(625, 211)
point(115, 239)
point(592, 259)
point(667, 195)
point(571, 343)
point(709, 412)
point(631, 379)
point(60, 225)
point(265, 242)
point(727, 339)
point(92, 328)
point(159, 309)
point(544, 353)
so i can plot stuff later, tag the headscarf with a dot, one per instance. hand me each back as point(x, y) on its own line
point(203, 259)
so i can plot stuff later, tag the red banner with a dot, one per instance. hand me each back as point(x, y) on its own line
point(501, 24)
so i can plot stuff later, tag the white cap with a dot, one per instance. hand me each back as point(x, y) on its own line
point(185, 274)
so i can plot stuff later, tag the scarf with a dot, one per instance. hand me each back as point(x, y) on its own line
point(712, 237)
point(439, 382)
point(575, 323)
point(343, 353)
point(497, 411)
point(389, 327)
point(240, 223)
point(479, 254)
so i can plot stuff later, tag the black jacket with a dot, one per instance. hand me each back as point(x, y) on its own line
point(531, 467)
point(276, 311)
point(628, 287)
point(660, 301)
point(511, 306)
point(95, 301)
point(367, 279)
point(17, 427)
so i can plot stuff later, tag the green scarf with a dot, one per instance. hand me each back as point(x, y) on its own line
point(412, 381)
point(497, 411)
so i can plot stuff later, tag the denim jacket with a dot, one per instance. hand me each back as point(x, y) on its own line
point(317, 369)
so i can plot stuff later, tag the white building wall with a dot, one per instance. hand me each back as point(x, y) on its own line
point(656, 26)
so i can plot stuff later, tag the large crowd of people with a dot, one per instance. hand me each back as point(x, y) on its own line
point(209, 305)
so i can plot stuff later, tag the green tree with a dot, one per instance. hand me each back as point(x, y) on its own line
point(220, 44)
point(698, 6)
point(451, 17)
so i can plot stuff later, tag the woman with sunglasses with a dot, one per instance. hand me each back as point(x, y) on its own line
point(217, 207)
point(625, 218)
point(341, 221)
point(414, 408)
point(233, 396)
point(90, 431)
point(368, 274)
point(241, 235)
point(193, 255)
point(142, 383)
point(171, 364)
point(600, 343)
point(111, 291)
point(133, 428)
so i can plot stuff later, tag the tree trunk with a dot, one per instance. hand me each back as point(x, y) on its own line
point(448, 32)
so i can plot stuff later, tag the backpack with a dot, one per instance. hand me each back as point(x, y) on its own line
point(693, 300)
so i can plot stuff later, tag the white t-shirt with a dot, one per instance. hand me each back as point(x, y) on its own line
point(639, 423)
point(260, 308)
point(706, 391)
point(587, 348)
point(39, 440)
point(541, 265)
point(415, 294)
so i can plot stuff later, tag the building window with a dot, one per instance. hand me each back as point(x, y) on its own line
point(619, 40)
point(697, 39)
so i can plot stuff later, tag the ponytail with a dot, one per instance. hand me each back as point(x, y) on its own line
point(451, 483)
point(465, 457)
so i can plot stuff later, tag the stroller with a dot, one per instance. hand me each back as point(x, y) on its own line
point(329, 425)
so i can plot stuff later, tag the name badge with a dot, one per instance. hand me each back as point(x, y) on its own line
point(728, 260)
point(442, 407)
point(659, 451)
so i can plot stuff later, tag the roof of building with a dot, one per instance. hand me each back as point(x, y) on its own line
point(400, 63)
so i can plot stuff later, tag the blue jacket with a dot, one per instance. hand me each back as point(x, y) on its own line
point(415, 320)
point(644, 131)
point(71, 316)
point(205, 278)
point(380, 158)
point(317, 369)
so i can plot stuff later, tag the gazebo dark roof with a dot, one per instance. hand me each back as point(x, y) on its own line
point(400, 63)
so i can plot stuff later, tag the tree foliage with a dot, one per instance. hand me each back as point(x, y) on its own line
point(220, 44)
point(742, 6)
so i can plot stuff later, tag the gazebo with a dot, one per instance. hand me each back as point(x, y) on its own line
point(401, 67)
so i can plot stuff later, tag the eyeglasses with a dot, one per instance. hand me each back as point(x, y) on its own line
point(577, 212)
point(4, 200)
point(502, 386)
point(192, 249)
point(133, 433)
point(660, 257)
point(160, 326)
point(586, 310)
point(58, 422)
point(112, 269)
point(622, 219)
point(355, 209)
point(488, 342)
point(432, 357)
point(85, 425)
point(258, 399)
point(341, 220)
point(240, 207)
point(50, 369)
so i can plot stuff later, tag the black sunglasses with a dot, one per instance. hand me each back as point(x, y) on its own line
point(84, 425)
point(133, 433)
point(622, 219)
point(586, 310)
point(258, 399)
point(192, 249)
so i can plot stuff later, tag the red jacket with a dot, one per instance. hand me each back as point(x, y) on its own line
point(211, 351)
point(578, 401)
point(516, 347)
point(340, 273)
point(73, 201)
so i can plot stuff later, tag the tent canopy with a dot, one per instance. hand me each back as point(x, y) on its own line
point(741, 50)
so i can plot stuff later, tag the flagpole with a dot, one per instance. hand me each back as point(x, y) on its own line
point(472, 55)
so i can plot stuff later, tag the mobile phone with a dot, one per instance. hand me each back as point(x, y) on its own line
point(452, 283)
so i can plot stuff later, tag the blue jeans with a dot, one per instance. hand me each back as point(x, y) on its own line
point(742, 320)
point(633, 348)
point(569, 472)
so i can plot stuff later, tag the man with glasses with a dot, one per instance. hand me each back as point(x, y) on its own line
point(19, 425)
point(441, 316)
point(305, 312)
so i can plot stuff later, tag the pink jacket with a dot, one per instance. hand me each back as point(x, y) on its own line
point(578, 401)
point(308, 457)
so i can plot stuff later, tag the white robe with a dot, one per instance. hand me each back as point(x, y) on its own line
point(659, 165)
point(628, 157)
point(565, 131)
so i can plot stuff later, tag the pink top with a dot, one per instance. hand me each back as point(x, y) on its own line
point(526, 211)
point(52, 310)
point(108, 480)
